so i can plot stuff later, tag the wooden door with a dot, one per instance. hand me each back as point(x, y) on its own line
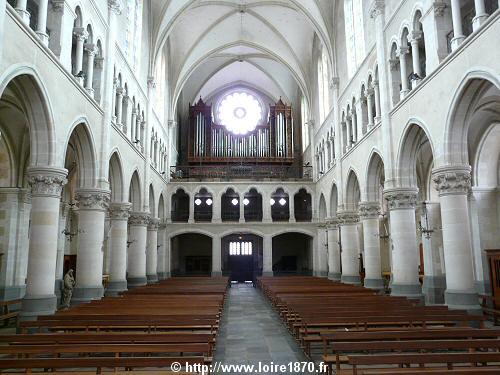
point(494, 263)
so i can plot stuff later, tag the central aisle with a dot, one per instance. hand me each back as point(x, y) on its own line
point(251, 332)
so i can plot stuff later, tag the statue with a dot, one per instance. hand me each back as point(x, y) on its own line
point(69, 284)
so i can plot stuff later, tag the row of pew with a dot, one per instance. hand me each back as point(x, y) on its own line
point(354, 330)
point(144, 330)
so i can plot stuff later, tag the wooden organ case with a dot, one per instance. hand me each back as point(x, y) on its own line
point(269, 143)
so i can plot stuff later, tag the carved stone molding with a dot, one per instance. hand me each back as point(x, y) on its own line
point(439, 7)
point(347, 217)
point(119, 211)
point(153, 224)
point(334, 83)
point(454, 180)
point(151, 82)
point(332, 223)
point(47, 181)
point(139, 218)
point(377, 8)
point(401, 198)
point(115, 6)
point(369, 210)
point(80, 33)
point(93, 199)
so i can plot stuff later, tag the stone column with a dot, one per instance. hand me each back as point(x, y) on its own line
point(453, 184)
point(242, 210)
point(61, 20)
point(405, 256)
point(162, 234)
point(349, 130)
point(402, 53)
point(41, 28)
point(266, 209)
point(61, 246)
point(168, 256)
point(22, 11)
point(119, 214)
point(350, 248)
point(267, 256)
point(415, 53)
point(92, 207)
point(81, 35)
point(458, 31)
point(369, 103)
point(119, 106)
point(291, 206)
point(91, 50)
point(113, 100)
point(136, 263)
point(133, 136)
point(46, 186)
point(321, 252)
point(481, 14)
point(369, 214)
point(152, 251)
point(216, 256)
point(333, 250)
point(376, 90)
point(434, 283)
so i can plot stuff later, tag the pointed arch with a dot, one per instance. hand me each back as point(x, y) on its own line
point(375, 176)
point(116, 182)
point(135, 192)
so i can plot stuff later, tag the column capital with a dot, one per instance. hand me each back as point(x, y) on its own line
point(80, 33)
point(377, 8)
point(321, 225)
point(139, 218)
point(402, 51)
point(401, 198)
point(119, 211)
point(369, 210)
point(115, 6)
point(332, 223)
point(151, 82)
point(452, 180)
point(90, 48)
point(93, 199)
point(415, 36)
point(119, 91)
point(346, 217)
point(153, 224)
point(172, 123)
point(370, 91)
point(334, 82)
point(47, 181)
point(438, 6)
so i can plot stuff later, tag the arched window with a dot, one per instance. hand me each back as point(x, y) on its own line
point(354, 33)
point(134, 32)
point(324, 94)
point(305, 119)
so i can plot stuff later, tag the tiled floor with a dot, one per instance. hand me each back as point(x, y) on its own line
point(251, 332)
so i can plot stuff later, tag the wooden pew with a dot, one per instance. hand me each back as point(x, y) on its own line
point(6, 314)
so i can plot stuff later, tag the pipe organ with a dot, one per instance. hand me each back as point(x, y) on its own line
point(270, 142)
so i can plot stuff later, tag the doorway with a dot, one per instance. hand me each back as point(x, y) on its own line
point(242, 257)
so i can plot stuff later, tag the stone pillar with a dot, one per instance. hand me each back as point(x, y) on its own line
point(92, 207)
point(481, 14)
point(333, 250)
point(168, 256)
point(405, 256)
point(91, 50)
point(81, 35)
point(376, 90)
point(41, 28)
point(61, 19)
point(61, 246)
point(415, 53)
point(119, 106)
point(119, 214)
point(291, 206)
point(152, 251)
point(402, 53)
point(133, 136)
point(349, 247)
point(162, 240)
point(434, 283)
point(46, 186)
point(242, 210)
point(22, 11)
point(369, 213)
point(453, 184)
point(267, 252)
point(458, 31)
point(321, 252)
point(266, 209)
point(113, 100)
point(216, 256)
point(216, 210)
point(349, 130)
point(369, 103)
point(136, 264)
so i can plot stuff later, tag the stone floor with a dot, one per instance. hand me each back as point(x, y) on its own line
point(251, 332)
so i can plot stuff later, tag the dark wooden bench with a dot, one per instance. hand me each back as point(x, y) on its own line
point(7, 314)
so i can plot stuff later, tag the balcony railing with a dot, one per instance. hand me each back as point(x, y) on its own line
point(227, 172)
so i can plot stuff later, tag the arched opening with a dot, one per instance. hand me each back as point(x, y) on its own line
point(334, 201)
point(253, 206)
point(152, 202)
point(292, 254)
point(303, 206)
point(230, 206)
point(203, 204)
point(161, 208)
point(242, 256)
point(180, 206)
point(364, 109)
point(406, 58)
point(191, 255)
point(280, 205)
point(115, 178)
point(322, 209)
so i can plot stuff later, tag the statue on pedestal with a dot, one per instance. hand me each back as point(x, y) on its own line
point(69, 284)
